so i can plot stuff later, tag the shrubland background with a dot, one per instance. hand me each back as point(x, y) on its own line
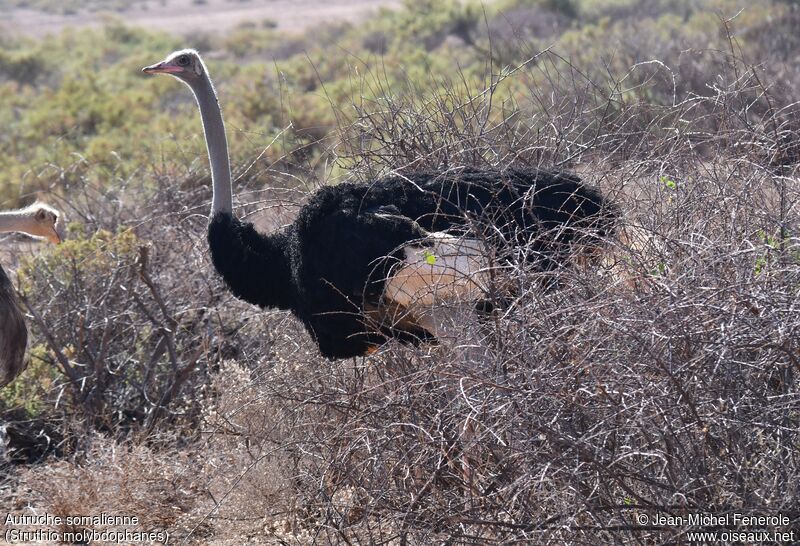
point(662, 381)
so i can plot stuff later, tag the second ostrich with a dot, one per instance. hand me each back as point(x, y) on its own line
point(360, 259)
point(40, 221)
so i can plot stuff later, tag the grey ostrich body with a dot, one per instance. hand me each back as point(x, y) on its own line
point(332, 266)
point(13, 333)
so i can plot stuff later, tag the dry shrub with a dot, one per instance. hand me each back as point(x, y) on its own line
point(234, 487)
point(245, 470)
point(128, 316)
point(111, 312)
point(663, 380)
point(115, 479)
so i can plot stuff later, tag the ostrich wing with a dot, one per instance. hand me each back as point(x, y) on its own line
point(369, 275)
point(344, 260)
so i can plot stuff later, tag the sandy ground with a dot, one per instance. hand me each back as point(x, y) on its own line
point(187, 16)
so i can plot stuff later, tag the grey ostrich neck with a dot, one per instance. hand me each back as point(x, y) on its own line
point(217, 145)
point(15, 221)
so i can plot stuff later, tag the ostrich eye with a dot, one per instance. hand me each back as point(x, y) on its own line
point(183, 60)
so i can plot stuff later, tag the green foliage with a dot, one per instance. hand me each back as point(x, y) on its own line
point(23, 67)
point(770, 252)
point(75, 107)
point(97, 254)
point(569, 8)
point(31, 389)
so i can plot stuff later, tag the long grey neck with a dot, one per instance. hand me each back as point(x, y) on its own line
point(217, 144)
point(16, 221)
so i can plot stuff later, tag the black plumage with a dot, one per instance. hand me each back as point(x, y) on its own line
point(330, 264)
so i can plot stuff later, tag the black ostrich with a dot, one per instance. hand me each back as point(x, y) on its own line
point(358, 256)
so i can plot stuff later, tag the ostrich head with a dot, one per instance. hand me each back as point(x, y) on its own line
point(186, 65)
point(45, 222)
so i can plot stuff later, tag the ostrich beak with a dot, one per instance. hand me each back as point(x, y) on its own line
point(161, 68)
point(54, 237)
point(59, 231)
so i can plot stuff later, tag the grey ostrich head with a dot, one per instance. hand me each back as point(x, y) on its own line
point(186, 65)
point(45, 222)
